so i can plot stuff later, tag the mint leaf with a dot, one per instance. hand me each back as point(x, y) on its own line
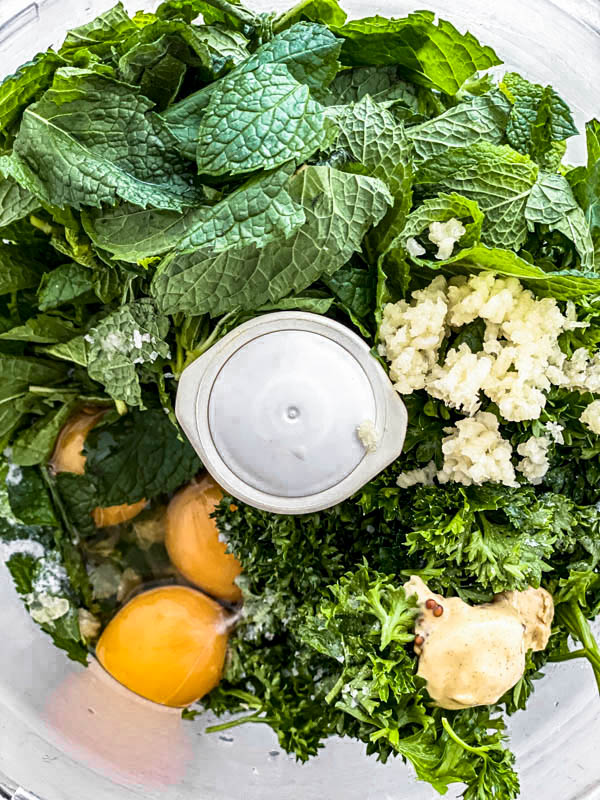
point(35, 445)
point(65, 284)
point(550, 200)
point(72, 350)
point(22, 88)
point(310, 52)
point(140, 455)
point(441, 209)
point(553, 203)
point(327, 12)
point(259, 120)
point(104, 137)
point(374, 139)
point(162, 80)
point(446, 164)
point(437, 56)
point(100, 35)
point(133, 335)
point(497, 178)
point(157, 56)
point(339, 207)
point(539, 117)
point(187, 10)
point(229, 14)
point(41, 329)
point(561, 284)
point(17, 271)
point(315, 303)
point(17, 373)
point(15, 202)
point(354, 288)
point(226, 46)
point(11, 414)
point(78, 493)
point(159, 74)
point(257, 212)
point(54, 567)
point(381, 83)
point(25, 508)
point(484, 119)
point(585, 181)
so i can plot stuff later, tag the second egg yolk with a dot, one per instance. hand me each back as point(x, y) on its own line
point(167, 645)
point(68, 456)
point(193, 544)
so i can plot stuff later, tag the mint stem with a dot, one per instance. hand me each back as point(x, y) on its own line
point(192, 355)
point(283, 22)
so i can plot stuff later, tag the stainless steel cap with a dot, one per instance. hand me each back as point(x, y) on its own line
point(273, 410)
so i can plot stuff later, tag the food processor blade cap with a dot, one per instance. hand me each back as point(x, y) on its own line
point(273, 410)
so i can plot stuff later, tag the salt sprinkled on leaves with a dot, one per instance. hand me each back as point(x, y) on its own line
point(14, 475)
point(25, 546)
point(137, 340)
point(51, 577)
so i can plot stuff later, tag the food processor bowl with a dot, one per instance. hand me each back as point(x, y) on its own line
point(68, 733)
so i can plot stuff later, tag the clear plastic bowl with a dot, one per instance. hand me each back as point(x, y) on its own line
point(68, 733)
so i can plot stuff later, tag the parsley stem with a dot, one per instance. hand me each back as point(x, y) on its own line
point(570, 656)
point(225, 726)
point(484, 522)
point(574, 620)
point(336, 689)
point(478, 751)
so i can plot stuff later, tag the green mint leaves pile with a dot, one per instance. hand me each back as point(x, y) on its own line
point(164, 178)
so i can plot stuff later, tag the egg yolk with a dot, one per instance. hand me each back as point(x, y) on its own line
point(68, 456)
point(192, 541)
point(167, 645)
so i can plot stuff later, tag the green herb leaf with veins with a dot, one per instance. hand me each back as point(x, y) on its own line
point(123, 341)
point(71, 131)
point(259, 119)
point(258, 212)
point(339, 209)
point(432, 55)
